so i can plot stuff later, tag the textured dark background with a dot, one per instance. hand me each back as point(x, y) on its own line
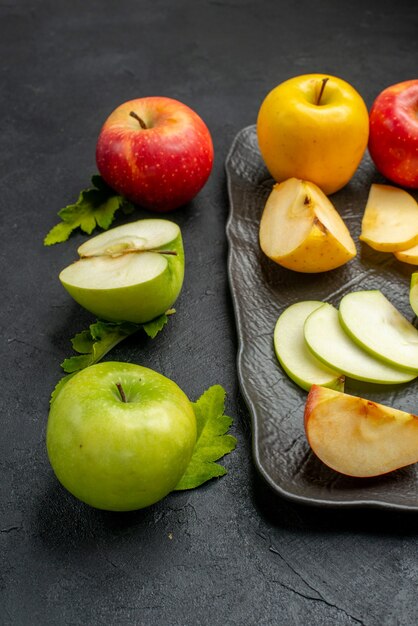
point(231, 552)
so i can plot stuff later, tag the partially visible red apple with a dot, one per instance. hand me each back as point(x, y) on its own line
point(155, 151)
point(393, 140)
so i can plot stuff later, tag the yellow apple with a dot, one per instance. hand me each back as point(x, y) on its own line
point(300, 229)
point(358, 437)
point(390, 220)
point(313, 127)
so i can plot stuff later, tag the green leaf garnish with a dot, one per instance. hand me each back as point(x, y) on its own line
point(101, 337)
point(95, 206)
point(212, 441)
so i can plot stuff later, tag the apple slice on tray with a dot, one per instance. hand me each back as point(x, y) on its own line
point(332, 346)
point(379, 328)
point(301, 230)
point(293, 354)
point(358, 437)
point(130, 273)
point(390, 220)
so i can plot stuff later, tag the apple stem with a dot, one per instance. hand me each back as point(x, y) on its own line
point(321, 91)
point(171, 252)
point(139, 119)
point(121, 392)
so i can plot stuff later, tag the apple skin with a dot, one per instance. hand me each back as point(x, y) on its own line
point(393, 141)
point(116, 455)
point(137, 303)
point(358, 437)
point(322, 143)
point(162, 166)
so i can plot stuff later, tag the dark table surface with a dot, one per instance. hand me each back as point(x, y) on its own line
point(231, 552)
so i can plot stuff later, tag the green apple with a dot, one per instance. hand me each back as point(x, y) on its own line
point(292, 353)
point(130, 273)
point(377, 326)
point(331, 345)
point(413, 293)
point(120, 436)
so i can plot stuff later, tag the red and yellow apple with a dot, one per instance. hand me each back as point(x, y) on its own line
point(393, 142)
point(314, 127)
point(358, 437)
point(155, 151)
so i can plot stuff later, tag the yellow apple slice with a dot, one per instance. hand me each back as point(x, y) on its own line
point(408, 256)
point(390, 220)
point(300, 229)
point(357, 437)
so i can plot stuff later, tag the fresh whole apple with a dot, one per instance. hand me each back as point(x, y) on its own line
point(120, 436)
point(130, 273)
point(314, 127)
point(393, 141)
point(155, 151)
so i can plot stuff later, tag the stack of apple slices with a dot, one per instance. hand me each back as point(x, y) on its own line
point(367, 339)
point(390, 222)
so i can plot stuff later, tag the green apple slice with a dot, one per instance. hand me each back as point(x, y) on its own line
point(378, 327)
point(413, 293)
point(130, 273)
point(293, 355)
point(331, 345)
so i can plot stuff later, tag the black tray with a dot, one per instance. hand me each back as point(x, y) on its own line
point(261, 290)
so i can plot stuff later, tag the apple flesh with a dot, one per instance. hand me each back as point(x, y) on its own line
point(358, 437)
point(390, 220)
point(120, 436)
point(301, 230)
point(413, 293)
point(332, 346)
point(393, 142)
point(293, 354)
point(314, 127)
point(379, 328)
point(130, 273)
point(155, 151)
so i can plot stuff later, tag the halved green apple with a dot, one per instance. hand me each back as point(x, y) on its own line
point(377, 326)
point(292, 353)
point(130, 273)
point(358, 437)
point(331, 345)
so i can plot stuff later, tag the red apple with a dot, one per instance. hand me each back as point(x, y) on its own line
point(393, 140)
point(155, 151)
point(358, 437)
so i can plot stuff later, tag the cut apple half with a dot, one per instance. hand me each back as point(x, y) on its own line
point(357, 437)
point(292, 353)
point(331, 345)
point(379, 328)
point(390, 220)
point(301, 230)
point(130, 273)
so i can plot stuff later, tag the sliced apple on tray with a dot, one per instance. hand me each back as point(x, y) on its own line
point(331, 345)
point(390, 220)
point(293, 353)
point(378, 327)
point(358, 437)
point(301, 230)
point(130, 273)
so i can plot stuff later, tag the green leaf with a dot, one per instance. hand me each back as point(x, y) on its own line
point(95, 206)
point(101, 337)
point(212, 442)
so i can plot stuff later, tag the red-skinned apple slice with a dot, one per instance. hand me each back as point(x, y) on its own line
point(358, 437)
